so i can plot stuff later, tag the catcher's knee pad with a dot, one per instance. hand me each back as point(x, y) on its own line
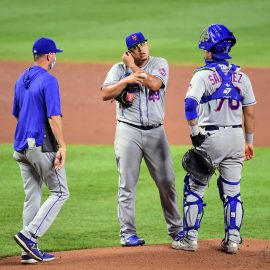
point(233, 207)
point(193, 206)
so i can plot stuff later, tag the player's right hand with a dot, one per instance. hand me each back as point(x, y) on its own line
point(249, 151)
point(60, 158)
point(128, 59)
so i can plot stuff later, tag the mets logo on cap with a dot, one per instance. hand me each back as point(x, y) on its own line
point(134, 37)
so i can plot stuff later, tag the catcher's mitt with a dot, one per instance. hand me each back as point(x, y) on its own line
point(196, 162)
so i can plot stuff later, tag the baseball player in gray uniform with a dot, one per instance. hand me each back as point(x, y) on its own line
point(139, 84)
point(40, 149)
point(218, 96)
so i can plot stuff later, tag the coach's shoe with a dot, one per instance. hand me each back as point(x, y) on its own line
point(47, 257)
point(27, 259)
point(29, 246)
point(185, 244)
point(132, 241)
point(229, 246)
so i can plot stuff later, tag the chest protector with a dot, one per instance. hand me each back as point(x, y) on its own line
point(226, 90)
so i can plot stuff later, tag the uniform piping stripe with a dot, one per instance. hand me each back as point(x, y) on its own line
point(141, 118)
point(118, 166)
point(59, 197)
point(147, 106)
point(254, 102)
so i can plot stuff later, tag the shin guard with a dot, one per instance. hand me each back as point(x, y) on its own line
point(193, 205)
point(233, 211)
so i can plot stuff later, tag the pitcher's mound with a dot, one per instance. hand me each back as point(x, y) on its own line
point(253, 254)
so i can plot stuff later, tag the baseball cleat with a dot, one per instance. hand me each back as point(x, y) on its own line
point(29, 246)
point(185, 244)
point(47, 257)
point(132, 241)
point(229, 246)
point(27, 259)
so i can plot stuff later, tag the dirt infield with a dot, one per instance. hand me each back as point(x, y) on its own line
point(253, 254)
point(88, 120)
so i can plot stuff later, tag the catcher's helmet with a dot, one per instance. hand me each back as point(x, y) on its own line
point(218, 40)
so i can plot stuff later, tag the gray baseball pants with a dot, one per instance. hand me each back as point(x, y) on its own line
point(37, 167)
point(131, 146)
point(226, 148)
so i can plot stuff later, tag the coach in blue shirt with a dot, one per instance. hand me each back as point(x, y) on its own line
point(40, 149)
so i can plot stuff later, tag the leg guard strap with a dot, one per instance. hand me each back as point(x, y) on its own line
point(233, 212)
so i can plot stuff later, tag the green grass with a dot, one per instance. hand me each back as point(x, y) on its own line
point(94, 30)
point(89, 218)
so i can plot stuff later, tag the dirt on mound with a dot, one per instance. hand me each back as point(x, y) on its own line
point(253, 254)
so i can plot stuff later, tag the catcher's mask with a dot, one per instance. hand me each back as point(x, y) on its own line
point(218, 40)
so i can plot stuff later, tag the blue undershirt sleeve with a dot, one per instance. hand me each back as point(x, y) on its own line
point(191, 109)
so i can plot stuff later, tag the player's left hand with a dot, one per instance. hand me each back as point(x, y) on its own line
point(60, 158)
point(197, 140)
point(249, 151)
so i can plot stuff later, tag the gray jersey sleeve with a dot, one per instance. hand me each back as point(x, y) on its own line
point(161, 70)
point(249, 98)
point(114, 75)
point(197, 88)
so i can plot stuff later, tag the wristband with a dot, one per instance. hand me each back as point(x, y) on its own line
point(249, 138)
point(62, 149)
point(194, 130)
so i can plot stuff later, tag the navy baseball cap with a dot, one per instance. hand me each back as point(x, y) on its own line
point(45, 45)
point(134, 39)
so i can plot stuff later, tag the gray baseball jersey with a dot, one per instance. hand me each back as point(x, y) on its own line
point(148, 106)
point(132, 144)
point(220, 112)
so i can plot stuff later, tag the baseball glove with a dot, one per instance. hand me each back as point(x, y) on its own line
point(125, 98)
point(198, 163)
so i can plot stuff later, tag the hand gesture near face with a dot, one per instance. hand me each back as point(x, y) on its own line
point(128, 59)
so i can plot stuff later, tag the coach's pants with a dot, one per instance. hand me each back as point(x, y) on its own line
point(37, 167)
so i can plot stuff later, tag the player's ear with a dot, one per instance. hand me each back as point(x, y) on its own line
point(208, 55)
